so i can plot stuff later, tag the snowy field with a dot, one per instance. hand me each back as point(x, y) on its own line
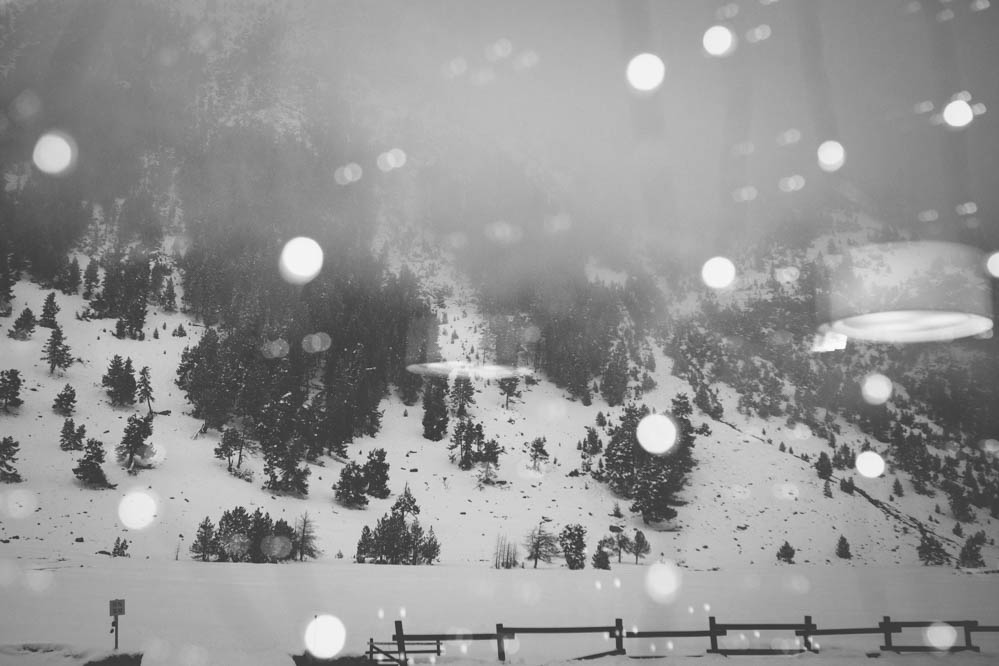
point(195, 613)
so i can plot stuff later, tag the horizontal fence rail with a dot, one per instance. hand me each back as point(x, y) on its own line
point(806, 631)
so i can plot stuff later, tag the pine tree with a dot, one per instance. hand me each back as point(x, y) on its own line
point(89, 468)
point(435, 416)
point(931, 551)
point(204, 545)
point(127, 386)
point(622, 544)
point(350, 488)
point(283, 466)
point(133, 442)
point(541, 544)
point(68, 279)
point(614, 385)
point(430, 550)
point(415, 541)
point(9, 448)
point(168, 299)
point(56, 352)
point(462, 395)
point(65, 401)
point(49, 311)
point(843, 548)
point(897, 489)
point(466, 441)
point(144, 390)
point(91, 279)
point(406, 504)
point(119, 380)
point(231, 443)
point(10, 389)
point(823, 466)
point(231, 535)
point(23, 326)
point(846, 485)
point(572, 541)
point(958, 531)
point(8, 278)
point(653, 491)
point(305, 542)
point(970, 556)
point(538, 453)
point(786, 553)
point(365, 546)
point(375, 473)
point(641, 546)
point(71, 437)
point(509, 388)
point(120, 548)
point(827, 489)
point(601, 555)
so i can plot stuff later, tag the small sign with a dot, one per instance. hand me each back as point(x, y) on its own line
point(117, 606)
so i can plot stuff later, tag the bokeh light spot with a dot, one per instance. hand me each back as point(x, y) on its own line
point(504, 233)
point(25, 106)
point(786, 491)
point(870, 464)
point(718, 41)
point(276, 546)
point(745, 193)
point(272, 349)
point(397, 158)
point(137, 510)
point(663, 581)
point(992, 264)
point(789, 137)
point(787, 274)
point(876, 389)
point(656, 433)
point(645, 72)
point(38, 580)
point(798, 584)
point(20, 503)
point(831, 155)
point(940, 636)
point(958, 113)
point(718, 272)
point(55, 153)
point(301, 260)
point(325, 636)
point(801, 431)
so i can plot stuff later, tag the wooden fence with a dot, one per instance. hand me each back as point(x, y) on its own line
point(403, 645)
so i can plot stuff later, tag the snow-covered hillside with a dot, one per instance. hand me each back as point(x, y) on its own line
point(744, 499)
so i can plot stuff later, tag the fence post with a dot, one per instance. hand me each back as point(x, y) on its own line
point(713, 636)
point(500, 648)
point(400, 641)
point(886, 625)
point(805, 637)
point(619, 635)
point(371, 652)
point(967, 633)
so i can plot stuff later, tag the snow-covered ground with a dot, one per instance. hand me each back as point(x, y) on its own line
point(745, 498)
point(194, 613)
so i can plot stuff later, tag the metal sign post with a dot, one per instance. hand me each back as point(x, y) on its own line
point(117, 607)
